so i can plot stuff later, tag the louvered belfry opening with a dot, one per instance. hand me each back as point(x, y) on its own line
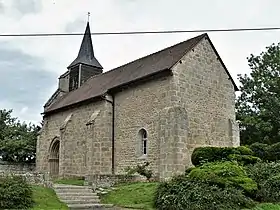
point(54, 158)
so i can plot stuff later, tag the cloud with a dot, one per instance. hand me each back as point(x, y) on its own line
point(29, 66)
point(27, 6)
point(23, 84)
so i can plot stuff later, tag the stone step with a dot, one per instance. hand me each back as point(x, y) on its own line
point(89, 206)
point(89, 201)
point(64, 186)
point(61, 190)
point(76, 193)
point(84, 198)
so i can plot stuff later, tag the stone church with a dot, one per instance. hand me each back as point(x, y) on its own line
point(155, 109)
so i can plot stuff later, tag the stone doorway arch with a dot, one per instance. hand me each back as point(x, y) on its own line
point(54, 157)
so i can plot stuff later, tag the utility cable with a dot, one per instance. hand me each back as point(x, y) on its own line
point(144, 32)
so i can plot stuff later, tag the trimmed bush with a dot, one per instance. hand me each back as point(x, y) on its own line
point(15, 193)
point(182, 193)
point(260, 150)
point(244, 150)
point(273, 152)
point(269, 190)
point(224, 174)
point(244, 159)
point(266, 175)
point(141, 170)
point(243, 154)
point(266, 152)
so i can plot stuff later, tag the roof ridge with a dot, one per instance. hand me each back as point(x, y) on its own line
point(142, 67)
point(148, 55)
point(174, 45)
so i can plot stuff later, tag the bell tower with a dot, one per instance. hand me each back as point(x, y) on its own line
point(85, 65)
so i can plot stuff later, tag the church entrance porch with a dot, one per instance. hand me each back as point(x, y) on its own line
point(54, 158)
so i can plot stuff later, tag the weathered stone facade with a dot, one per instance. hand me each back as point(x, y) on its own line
point(85, 143)
point(193, 106)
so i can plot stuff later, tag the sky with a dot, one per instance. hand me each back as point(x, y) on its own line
point(30, 66)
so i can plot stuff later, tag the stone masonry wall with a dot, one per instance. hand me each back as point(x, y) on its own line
point(202, 87)
point(16, 168)
point(136, 108)
point(81, 140)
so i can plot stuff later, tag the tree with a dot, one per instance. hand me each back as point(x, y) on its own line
point(17, 140)
point(258, 106)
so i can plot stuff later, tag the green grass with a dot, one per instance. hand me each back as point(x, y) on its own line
point(70, 181)
point(134, 195)
point(267, 206)
point(140, 196)
point(46, 199)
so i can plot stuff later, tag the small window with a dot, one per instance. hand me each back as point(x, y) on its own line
point(144, 141)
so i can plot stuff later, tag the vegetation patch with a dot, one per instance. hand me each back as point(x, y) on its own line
point(183, 193)
point(242, 155)
point(267, 177)
point(133, 195)
point(15, 193)
point(45, 198)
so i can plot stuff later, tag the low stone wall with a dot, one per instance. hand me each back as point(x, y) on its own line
point(16, 167)
point(106, 181)
point(42, 179)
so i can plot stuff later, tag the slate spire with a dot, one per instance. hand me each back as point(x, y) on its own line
point(86, 54)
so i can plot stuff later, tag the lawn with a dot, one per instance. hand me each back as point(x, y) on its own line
point(45, 199)
point(135, 195)
point(267, 206)
point(69, 181)
point(140, 196)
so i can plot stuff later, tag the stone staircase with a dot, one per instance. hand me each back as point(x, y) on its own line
point(79, 197)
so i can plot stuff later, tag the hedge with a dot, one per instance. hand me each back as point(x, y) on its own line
point(224, 174)
point(15, 193)
point(183, 193)
point(266, 152)
point(267, 177)
point(242, 154)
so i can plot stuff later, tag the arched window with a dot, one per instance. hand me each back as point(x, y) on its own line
point(144, 141)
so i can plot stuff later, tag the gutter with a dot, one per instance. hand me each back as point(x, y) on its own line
point(113, 129)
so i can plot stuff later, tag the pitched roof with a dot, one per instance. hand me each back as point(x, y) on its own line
point(135, 70)
point(86, 54)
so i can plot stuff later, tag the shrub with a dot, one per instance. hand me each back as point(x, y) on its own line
point(141, 170)
point(266, 152)
point(244, 159)
point(244, 150)
point(269, 190)
point(188, 170)
point(182, 193)
point(212, 154)
point(204, 154)
point(259, 150)
point(225, 174)
point(15, 193)
point(266, 175)
point(273, 152)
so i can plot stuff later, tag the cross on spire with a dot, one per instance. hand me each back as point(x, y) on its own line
point(88, 14)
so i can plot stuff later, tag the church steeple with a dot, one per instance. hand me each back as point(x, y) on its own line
point(85, 65)
point(86, 53)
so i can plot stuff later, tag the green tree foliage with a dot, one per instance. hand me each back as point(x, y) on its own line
point(258, 106)
point(17, 140)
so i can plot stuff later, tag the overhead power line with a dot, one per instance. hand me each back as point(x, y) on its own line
point(144, 32)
